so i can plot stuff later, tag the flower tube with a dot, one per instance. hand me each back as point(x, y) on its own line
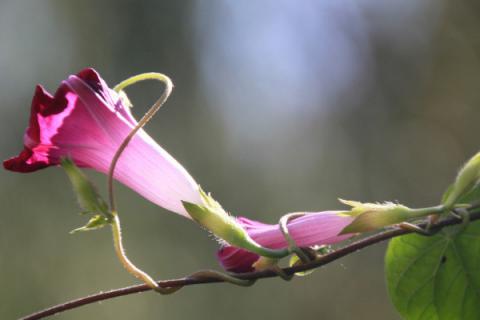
point(87, 121)
point(313, 228)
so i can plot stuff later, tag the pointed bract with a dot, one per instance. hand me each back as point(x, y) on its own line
point(87, 195)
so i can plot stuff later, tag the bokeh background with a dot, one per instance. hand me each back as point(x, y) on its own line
point(279, 106)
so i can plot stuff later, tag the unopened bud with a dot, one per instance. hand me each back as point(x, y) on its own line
point(371, 216)
point(466, 179)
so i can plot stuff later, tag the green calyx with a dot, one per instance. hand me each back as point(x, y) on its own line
point(218, 222)
point(214, 218)
point(89, 199)
point(372, 216)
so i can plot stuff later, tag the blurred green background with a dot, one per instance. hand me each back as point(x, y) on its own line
point(279, 106)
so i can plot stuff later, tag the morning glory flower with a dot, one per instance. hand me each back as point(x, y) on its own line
point(87, 121)
point(314, 228)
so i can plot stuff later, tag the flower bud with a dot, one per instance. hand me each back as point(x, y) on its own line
point(371, 216)
point(466, 179)
point(312, 229)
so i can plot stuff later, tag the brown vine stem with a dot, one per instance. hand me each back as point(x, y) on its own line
point(186, 281)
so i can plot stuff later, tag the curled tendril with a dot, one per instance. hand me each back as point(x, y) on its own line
point(209, 274)
point(145, 119)
point(281, 273)
point(116, 227)
point(292, 246)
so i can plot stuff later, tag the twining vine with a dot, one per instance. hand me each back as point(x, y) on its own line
point(198, 280)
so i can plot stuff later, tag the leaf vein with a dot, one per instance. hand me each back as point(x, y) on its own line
point(462, 310)
point(415, 260)
point(425, 309)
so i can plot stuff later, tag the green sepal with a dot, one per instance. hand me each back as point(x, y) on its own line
point(470, 197)
point(88, 198)
point(372, 220)
point(447, 193)
point(213, 217)
point(465, 181)
point(218, 222)
point(96, 222)
point(371, 216)
point(473, 196)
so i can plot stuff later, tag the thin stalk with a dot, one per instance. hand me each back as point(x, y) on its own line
point(116, 227)
point(150, 113)
point(120, 251)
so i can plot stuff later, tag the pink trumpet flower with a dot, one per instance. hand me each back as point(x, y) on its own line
point(87, 121)
point(314, 228)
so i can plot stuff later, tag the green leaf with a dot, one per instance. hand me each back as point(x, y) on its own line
point(96, 222)
point(89, 199)
point(436, 277)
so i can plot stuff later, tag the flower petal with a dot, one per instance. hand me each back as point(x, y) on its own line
point(86, 120)
point(236, 260)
